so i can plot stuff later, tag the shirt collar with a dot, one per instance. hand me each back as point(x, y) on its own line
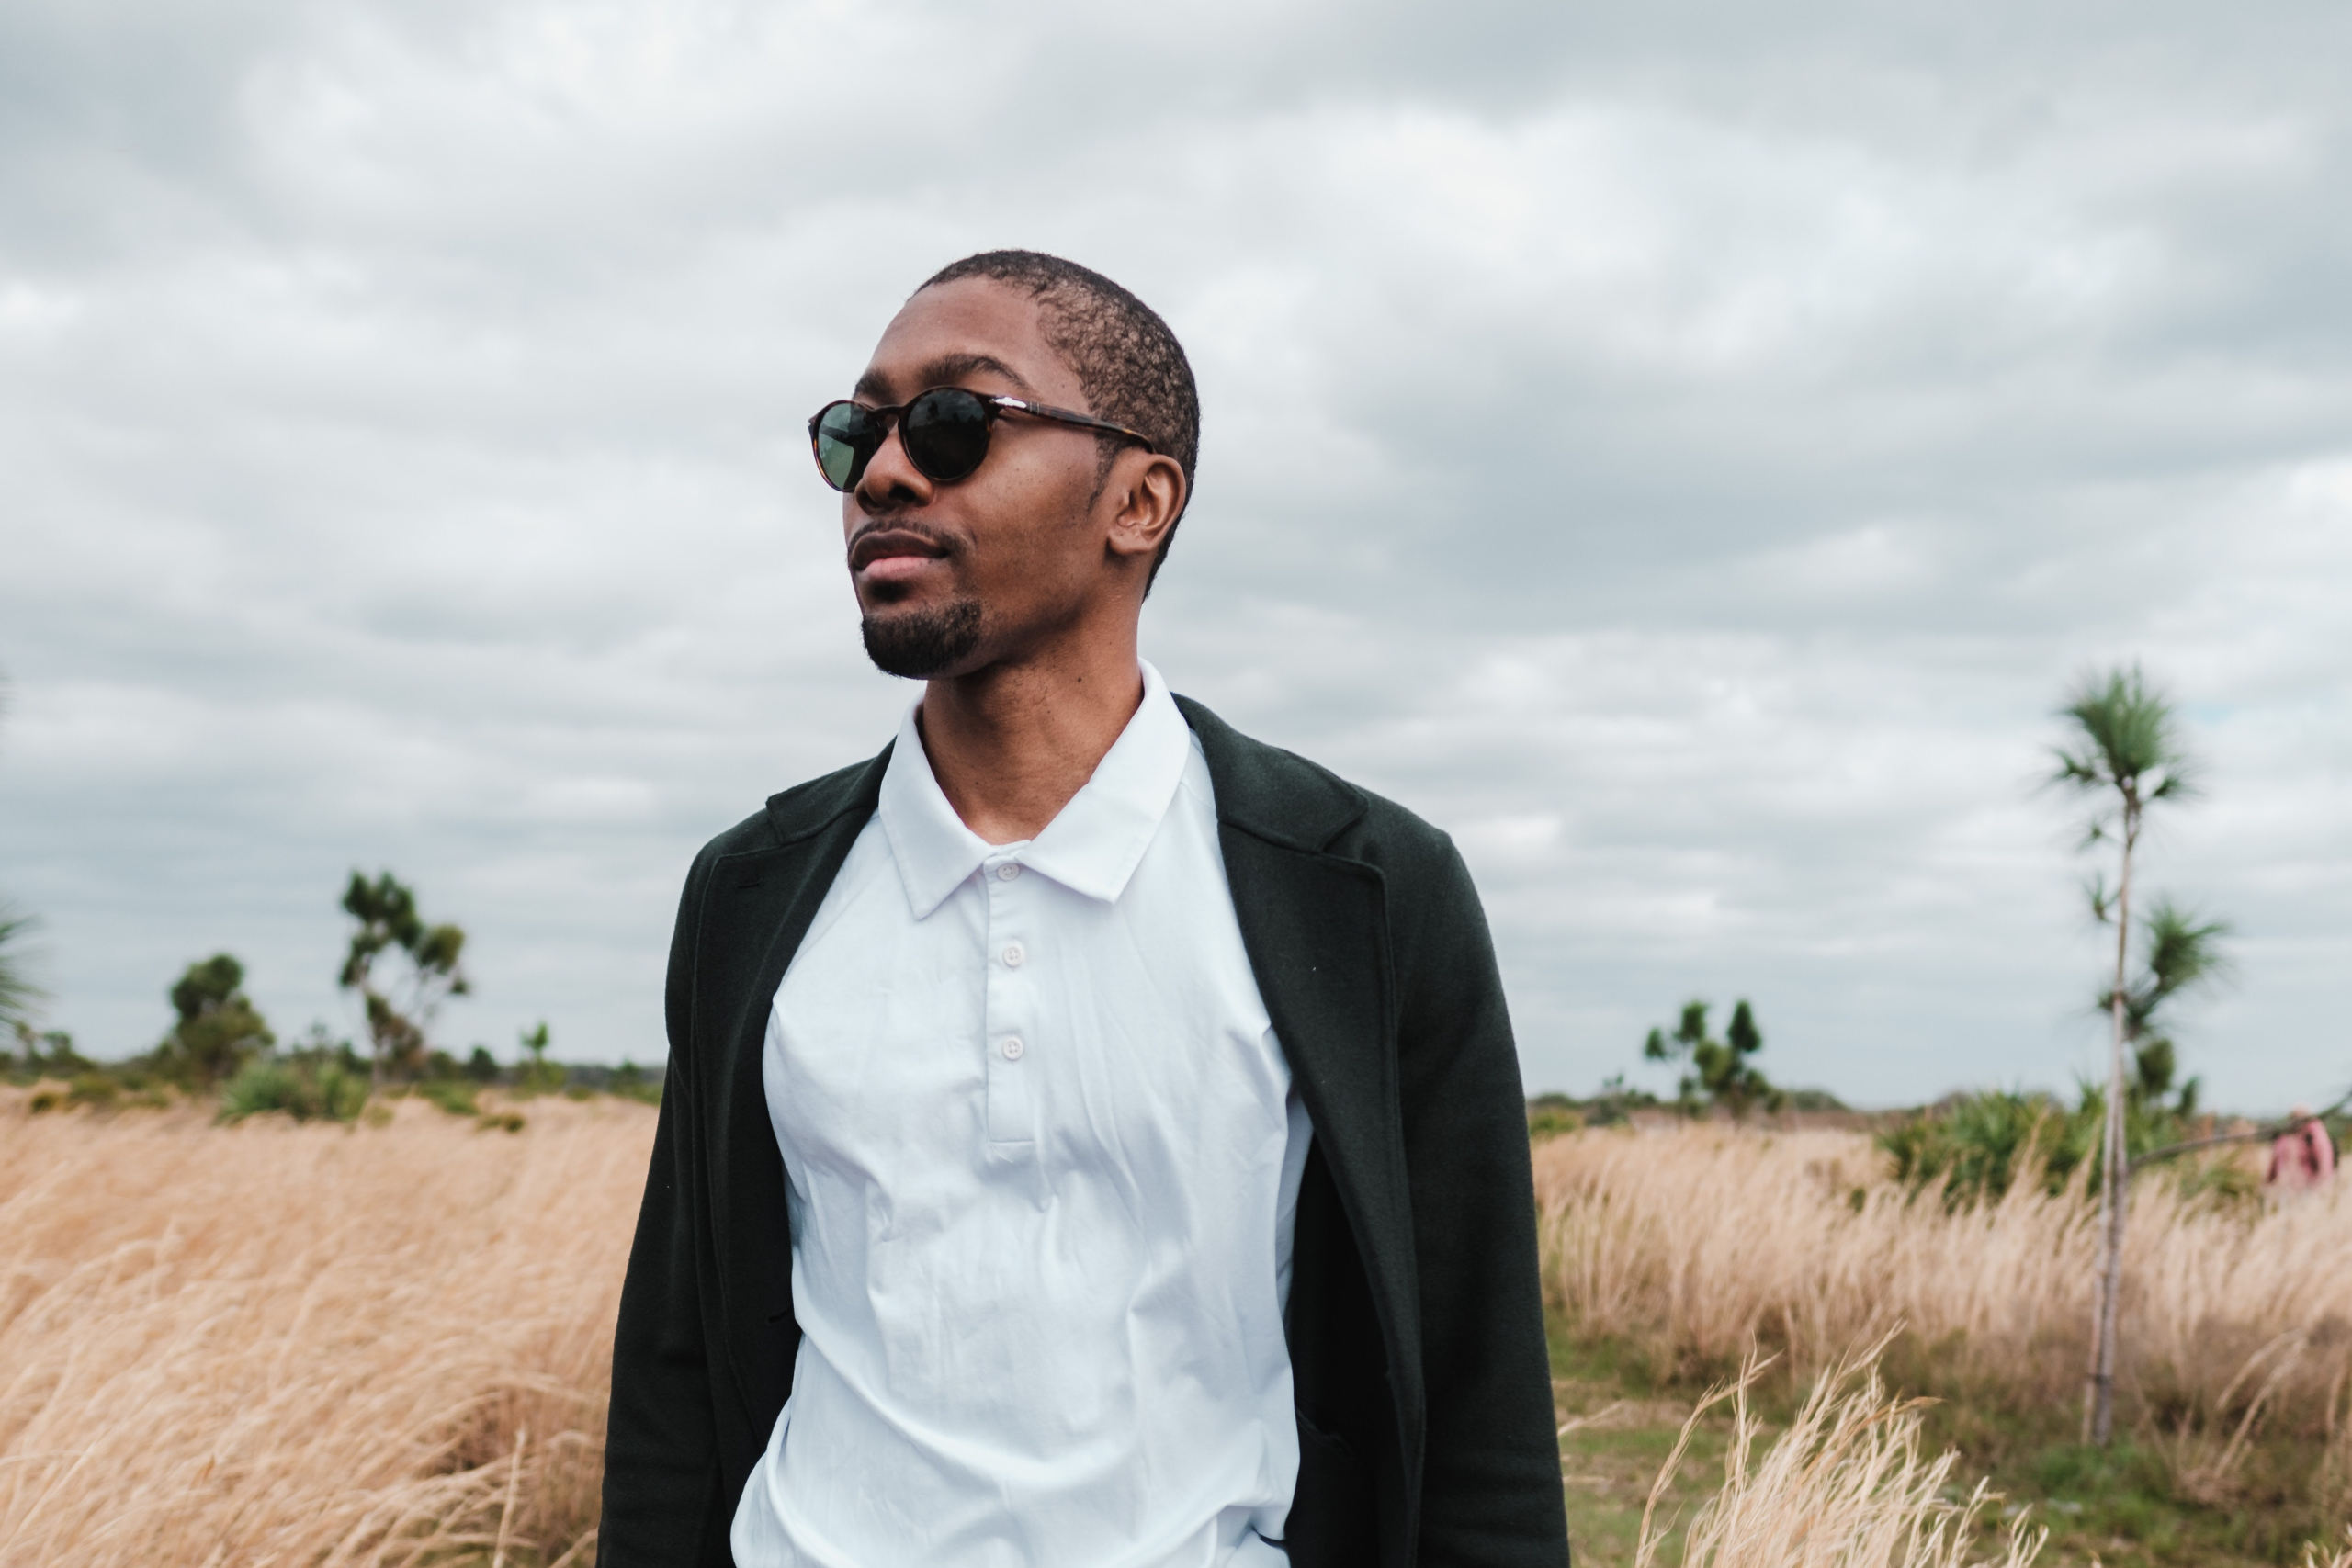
point(1092, 847)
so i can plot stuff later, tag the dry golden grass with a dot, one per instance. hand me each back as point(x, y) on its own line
point(389, 1344)
point(1699, 1241)
point(1849, 1484)
point(271, 1344)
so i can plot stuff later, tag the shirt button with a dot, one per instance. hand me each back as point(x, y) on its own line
point(1014, 956)
point(1012, 1048)
point(1007, 871)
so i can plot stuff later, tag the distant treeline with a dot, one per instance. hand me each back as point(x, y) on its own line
point(1615, 1106)
point(399, 969)
point(318, 1078)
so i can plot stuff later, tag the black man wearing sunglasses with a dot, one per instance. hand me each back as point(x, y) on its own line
point(1092, 1136)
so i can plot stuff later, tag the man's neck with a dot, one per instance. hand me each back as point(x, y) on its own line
point(1011, 744)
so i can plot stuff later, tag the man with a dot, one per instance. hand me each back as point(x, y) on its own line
point(1091, 1137)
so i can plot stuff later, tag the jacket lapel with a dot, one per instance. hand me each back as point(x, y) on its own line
point(1316, 927)
point(758, 909)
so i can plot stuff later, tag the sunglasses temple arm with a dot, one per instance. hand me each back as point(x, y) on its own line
point(1070, 416)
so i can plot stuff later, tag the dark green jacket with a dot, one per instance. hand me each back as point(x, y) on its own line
point(1415, 1324)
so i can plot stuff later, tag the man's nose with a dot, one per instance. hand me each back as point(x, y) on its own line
point(891, 482)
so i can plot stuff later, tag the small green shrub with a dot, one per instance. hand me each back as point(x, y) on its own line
point(98, 1090)
point(95, 1091)
point(501, 1121)
point(631, 1083)
point(1551, 1120)
point(455, 1096)
point(1979, 1145)
point(260, 1085)
point(1548, 1114)
point(306, 1091)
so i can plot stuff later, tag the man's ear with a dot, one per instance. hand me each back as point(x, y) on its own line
point(1149, 495)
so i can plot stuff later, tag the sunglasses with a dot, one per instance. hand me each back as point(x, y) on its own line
point(945, 432)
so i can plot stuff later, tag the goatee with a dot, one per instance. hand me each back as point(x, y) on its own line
point(918, 644)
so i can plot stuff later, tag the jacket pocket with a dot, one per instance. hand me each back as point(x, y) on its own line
point(1333, 1523)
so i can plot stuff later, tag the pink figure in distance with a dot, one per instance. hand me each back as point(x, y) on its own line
point(2302, 1157)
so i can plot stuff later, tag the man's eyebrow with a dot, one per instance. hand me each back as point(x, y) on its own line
point(950, 368)
point(947, 370)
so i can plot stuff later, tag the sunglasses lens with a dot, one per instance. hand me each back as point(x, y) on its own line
point(846, 437)
point(947, 432)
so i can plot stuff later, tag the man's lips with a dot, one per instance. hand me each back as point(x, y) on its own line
point(893, 553)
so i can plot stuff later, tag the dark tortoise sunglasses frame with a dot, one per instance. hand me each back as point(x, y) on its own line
point(940, 447)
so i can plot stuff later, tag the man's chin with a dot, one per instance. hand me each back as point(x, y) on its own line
point(921, 643)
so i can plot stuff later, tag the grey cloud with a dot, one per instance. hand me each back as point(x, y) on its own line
point(1681, 452)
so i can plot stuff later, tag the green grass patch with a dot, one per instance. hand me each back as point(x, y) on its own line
point(1621, 1419)
point(2123, 1504)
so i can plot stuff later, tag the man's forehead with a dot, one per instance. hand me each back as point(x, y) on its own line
point(947, 369)
point(973, 327)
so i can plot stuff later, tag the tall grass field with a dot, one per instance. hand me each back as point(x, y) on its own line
point(388, 1343)
point(309, 1345)
point(1671, 1255)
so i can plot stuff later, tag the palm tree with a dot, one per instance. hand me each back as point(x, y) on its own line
point(2180, 950)
point(2127, 756)
point(21, 999)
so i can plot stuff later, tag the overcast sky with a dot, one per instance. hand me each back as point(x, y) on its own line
point(1685, 454)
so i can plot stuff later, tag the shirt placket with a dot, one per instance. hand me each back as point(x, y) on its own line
point(1008, 1032)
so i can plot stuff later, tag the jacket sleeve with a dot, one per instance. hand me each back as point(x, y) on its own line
point(1491, 1466)
point(661, 1443)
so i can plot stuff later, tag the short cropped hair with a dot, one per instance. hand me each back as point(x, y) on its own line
point(1129, 365)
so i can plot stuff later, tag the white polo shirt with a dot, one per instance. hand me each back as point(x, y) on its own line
point(1043, 1158)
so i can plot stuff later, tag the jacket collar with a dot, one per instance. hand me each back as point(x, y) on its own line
point(806, 809)
point(1269, 793)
